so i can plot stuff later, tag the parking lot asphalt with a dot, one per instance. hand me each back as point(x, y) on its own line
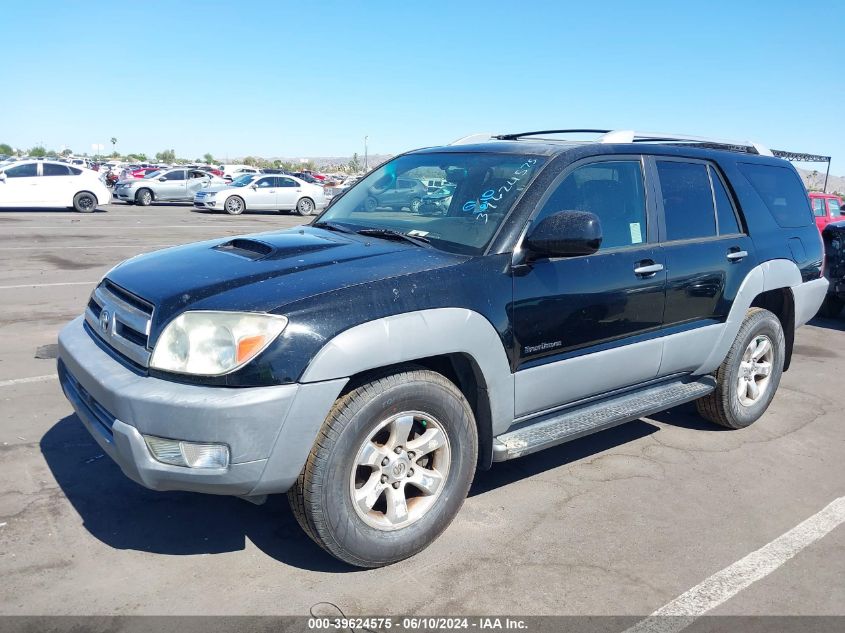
point(620, 523)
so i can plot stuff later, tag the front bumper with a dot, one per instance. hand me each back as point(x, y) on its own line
point(205, 202)
point(269, 430)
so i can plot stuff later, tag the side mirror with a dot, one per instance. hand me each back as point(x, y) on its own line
point(565, 234)
point(162, 179)
point(2, 176)
point(253, 187)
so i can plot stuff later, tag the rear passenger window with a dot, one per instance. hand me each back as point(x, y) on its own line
point(612, 190)
point(781, 191)
point(725, 213)
point(51, 169)
point(818, 207)
point(687, 200)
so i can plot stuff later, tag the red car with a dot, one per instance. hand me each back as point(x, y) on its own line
point(140, 173)
point(213, 170)
point(827, 208)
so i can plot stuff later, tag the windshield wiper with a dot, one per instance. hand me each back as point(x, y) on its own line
point(331, 226)
point(390, 234)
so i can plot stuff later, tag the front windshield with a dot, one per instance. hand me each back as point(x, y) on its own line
point(153, 174)
point(242, 181)
point(483, 189)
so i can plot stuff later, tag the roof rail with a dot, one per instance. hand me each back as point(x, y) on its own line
point(632, 136)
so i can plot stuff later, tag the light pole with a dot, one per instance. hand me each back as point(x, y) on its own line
point(366, 165)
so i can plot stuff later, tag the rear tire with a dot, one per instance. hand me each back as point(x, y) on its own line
point(144, 197)
point(85, 202)
point(370, 204)
point(305, 206)
point(748, 378)
point(358, 495)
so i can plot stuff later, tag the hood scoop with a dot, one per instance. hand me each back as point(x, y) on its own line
point(246, 248)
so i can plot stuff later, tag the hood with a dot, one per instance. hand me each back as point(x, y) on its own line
point(265, 271)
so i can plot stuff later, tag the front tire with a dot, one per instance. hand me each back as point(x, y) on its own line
point(748, 378)
point(234, 205)
point(389, 470)
point(85, 202)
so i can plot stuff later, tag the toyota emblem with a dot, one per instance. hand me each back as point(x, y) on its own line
point(105, 317)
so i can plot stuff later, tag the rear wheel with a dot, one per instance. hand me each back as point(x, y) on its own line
point(305, 206)
point(390, 469)
point(747, 379)
point(370, 204)
point(144, 197)
point(234, 205)
point(85, 202)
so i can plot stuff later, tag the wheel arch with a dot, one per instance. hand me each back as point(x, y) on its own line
point(456, 342)
point(768, 285)
point(150, 189)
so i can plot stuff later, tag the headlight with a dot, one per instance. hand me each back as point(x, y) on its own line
point(207, 343)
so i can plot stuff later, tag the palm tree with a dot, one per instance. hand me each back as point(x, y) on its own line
point(113, 142)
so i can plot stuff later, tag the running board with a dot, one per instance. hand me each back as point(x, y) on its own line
point(570, 424)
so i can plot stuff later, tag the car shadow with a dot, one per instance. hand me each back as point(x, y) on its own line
point(258, 212)
point(50, 210)
point(505, 473)
point(125, 515)
point(835, 323)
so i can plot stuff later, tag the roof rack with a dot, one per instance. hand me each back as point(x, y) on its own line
point(632, 136)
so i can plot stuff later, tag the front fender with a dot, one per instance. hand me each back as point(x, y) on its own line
point(416, 335)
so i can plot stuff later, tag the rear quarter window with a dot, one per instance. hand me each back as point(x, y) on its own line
point(781, 191)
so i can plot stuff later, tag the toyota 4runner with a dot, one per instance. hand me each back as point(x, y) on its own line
point(369, 363)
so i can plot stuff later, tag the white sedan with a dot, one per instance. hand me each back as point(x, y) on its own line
point(265, 192)
point(42, 183)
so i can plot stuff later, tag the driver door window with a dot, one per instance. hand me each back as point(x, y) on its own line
point(613, 191)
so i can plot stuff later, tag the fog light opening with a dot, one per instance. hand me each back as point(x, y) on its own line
point(188, 454)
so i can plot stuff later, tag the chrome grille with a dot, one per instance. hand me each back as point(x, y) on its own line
point(122, 320)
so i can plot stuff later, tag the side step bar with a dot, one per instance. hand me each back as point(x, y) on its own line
point(570, 424)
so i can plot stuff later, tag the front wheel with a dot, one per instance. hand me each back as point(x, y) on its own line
point(390, 468)
point(747, 379)
point(144, 197)
point(85, 202)
point(305, 206)
point(234, 205)
point(415, 205)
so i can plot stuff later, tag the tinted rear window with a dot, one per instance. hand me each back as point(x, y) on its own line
point(782, 193)
point(687, 200)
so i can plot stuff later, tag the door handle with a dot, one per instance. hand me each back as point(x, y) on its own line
point(735, 256)
point(646, 269)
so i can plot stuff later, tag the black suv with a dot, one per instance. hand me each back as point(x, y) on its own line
point(369, 363)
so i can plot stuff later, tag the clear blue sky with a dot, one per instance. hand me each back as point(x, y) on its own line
point(302, 79)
